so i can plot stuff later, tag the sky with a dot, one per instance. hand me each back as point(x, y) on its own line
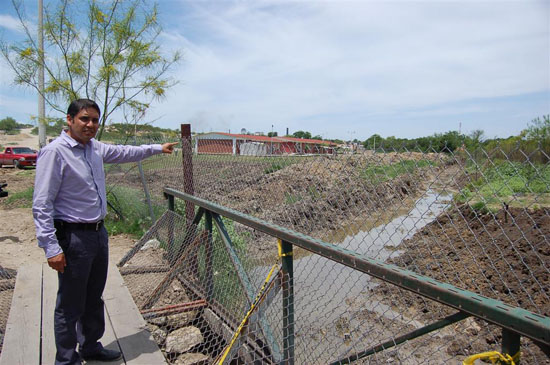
point(341, 69)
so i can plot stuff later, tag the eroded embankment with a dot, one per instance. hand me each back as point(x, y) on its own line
point(505, 256)
point(315, 197)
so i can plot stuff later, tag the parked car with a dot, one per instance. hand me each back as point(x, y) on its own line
point(18, 157)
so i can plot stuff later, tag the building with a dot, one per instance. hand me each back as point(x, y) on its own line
point(254, 145)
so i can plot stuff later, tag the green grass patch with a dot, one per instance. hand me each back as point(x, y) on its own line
point(279, 164)
point(21, 199)
point(292, 198)
point(507, 182)
point(128, 211)
point(382, 173)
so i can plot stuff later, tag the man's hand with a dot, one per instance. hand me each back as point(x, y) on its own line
point(58, 262)
point(168, 147)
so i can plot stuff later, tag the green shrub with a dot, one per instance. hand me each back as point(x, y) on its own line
point(382, 173)
point(128, 211)
point(21, 199)
point(504, 181)
point(274, 167)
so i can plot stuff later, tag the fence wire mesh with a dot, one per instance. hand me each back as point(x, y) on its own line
point(477, 219)
point(7, 284)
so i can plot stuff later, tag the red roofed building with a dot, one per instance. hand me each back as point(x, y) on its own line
point(244, 144)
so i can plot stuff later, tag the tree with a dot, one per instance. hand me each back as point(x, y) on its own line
point(101, 50)
point(54, 126)
point(475, 138)
point(539, 130)
point(301, 134)
point(8, 124)
point(373, 141)
point(272, 134)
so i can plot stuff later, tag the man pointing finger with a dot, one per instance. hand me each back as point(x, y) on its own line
point(69, 205)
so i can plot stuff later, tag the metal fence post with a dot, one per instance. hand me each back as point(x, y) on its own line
point(187, 157)
point(188, 187)
point(288, 302)
point(208, 257)
point(171, 205)
point(510, 343)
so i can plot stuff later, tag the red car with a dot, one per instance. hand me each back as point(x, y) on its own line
point(18, 157)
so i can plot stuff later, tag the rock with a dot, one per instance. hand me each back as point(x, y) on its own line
point(183, 339)
point(154, 243)
point(192, 359)
point(180, 320)
point(158, 321)
point(458, 347)
point(159, 335)
point(176, 286)
point(472, 328)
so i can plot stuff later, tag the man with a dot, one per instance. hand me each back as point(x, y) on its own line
point(69, 205)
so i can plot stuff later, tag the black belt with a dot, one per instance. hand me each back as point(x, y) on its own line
point(78, 226)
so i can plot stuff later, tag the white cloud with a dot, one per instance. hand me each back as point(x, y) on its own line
point(11, 23)
point(264, 62)
point(334, 66)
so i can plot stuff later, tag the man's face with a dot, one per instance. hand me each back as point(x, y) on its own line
point(84, 125)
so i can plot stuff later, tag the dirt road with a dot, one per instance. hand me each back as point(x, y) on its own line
point(25, 138)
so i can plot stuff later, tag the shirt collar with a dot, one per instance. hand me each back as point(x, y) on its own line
point(71, 141)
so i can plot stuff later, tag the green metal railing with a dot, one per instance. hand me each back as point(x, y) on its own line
point(514, 321)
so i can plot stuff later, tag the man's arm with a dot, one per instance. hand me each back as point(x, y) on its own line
point(49, 172)
point(121, 154)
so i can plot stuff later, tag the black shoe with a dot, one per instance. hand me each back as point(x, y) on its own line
point(104, 355)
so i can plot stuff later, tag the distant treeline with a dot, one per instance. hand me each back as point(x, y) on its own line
point(115, 131)
point(533, 143)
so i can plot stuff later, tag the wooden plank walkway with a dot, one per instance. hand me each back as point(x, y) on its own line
point(29, 335)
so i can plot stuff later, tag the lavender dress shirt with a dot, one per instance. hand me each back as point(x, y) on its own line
point(70, 183)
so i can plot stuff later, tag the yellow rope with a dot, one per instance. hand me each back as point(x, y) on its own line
point(248, 314)
point(280, 249)
point(492, 356)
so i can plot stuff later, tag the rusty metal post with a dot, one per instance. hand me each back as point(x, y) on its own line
point(188, 187)
point(187, 157)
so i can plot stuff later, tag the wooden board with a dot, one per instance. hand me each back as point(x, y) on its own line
point(49, 295)
point(135, 341)
point(22, 341)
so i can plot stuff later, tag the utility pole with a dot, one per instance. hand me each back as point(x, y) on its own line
point(41, 102)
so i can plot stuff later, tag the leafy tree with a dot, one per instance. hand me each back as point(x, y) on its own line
point(373, 141)
point(272, 134)
point(539, 130)
point(475, 139)
point(101, 50)
point(317, 137)
point(301, 134)
point(8, 124)
point(54, 126)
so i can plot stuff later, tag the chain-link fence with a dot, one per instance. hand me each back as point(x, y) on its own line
point(476, 219)
point(7, 284)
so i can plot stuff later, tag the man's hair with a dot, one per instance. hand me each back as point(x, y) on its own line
point(79, 104)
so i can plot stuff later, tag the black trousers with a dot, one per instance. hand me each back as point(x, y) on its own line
point(79, 311)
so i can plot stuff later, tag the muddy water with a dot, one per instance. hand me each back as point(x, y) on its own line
point(325, 290)
point(379, 241)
